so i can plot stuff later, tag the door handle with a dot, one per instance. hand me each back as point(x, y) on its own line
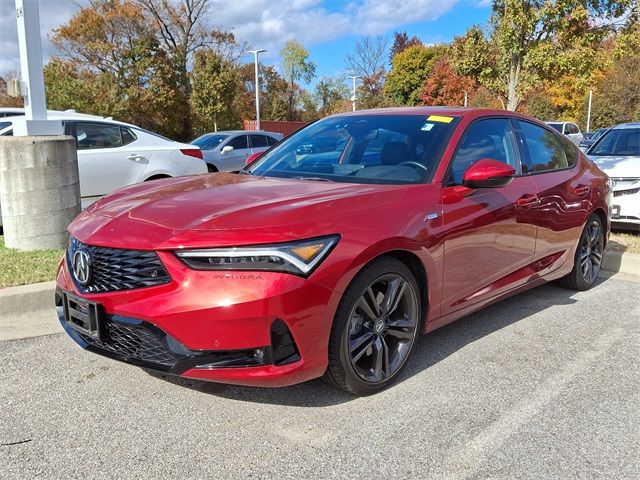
point(583, 190)
point(137, 158)
point(528, 201)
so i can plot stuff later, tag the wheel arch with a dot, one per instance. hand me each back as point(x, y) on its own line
point(157, 176)
point(603, 218)
point(405, 255)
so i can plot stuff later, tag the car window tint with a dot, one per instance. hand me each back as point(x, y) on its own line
point(271, 140)
point(97, 135)
point(556, 126)
point(486, 139)
point(618, 142)
point(258, 141)
point(127, 136)
point(544, 152)
point(570, 150)
point(239, 142)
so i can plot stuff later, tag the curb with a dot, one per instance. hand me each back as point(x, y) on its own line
point(27, 298)
point(618, 262)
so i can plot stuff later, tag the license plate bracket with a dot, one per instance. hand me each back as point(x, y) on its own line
point(615, 211)
point(84, 316)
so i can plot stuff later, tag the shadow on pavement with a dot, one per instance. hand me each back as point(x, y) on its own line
point(431, 349)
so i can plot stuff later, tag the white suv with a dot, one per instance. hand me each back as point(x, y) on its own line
point(113, 154)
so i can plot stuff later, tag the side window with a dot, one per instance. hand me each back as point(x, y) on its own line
point(127, 136)
point(491, 138)
point(238, 143)
point(258, 141)
point(97, 135)
point(543, 151)
point(570, 150)
point(271, 140)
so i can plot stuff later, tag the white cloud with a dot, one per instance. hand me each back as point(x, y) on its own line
point(261, 23)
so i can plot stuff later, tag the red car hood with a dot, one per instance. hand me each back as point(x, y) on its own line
point(227, 209)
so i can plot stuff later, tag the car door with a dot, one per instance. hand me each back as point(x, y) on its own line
point(236, 158)
point(564, 193)
point(489, 238)
point(107, 159)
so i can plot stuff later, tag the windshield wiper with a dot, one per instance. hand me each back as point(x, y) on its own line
point(314, 179)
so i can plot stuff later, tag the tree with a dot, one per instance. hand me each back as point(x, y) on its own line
point(410, 69)
point(273, 93)
point(401, 42)
point(114, 59)
point(368, 56)
point(530, 40)
point(215, 83)
point(368, 61)
point(296, 67)
point(179, 29)
point(445, 87)
point(617, 93)
point(331, 96)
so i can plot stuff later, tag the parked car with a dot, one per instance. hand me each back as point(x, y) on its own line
point(113, 154)
point(591, 138)
point(228, 151)
point(290, 270)
point(568, 129)
point(617, 153)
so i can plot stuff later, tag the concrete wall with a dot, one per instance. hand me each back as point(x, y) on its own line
point(39, 190)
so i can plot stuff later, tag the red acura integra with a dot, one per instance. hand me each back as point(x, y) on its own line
point(334, 250)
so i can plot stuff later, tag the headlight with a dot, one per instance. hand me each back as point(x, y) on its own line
point(298, 258)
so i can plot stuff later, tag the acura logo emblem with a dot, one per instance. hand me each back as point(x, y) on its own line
point(82, 266)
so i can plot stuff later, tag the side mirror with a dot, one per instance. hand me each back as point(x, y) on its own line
point(226, 149)
point(488, 173)
point(253, 157)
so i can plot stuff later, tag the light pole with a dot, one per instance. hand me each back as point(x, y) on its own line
point(353, 92)
point(255, 56)
point(589, 110)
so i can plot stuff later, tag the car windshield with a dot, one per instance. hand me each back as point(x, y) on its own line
point(619, 142)
point(599, 133)
point(556, 126)
point(385, 149)
point(209, 140)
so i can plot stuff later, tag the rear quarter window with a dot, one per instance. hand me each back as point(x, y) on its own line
point(543, 152)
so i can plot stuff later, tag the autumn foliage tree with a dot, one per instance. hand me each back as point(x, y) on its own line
point(444, 87)
point(410, 69)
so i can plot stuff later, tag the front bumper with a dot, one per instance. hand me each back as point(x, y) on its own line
point(262, 329)
point(625, 209)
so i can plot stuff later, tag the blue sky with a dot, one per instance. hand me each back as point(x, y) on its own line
point(328, 28)
point(329, 56)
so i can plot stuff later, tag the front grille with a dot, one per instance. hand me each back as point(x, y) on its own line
point(631, 191)
point(133, 342)
point(117, 268)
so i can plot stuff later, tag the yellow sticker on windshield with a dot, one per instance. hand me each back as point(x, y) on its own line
point(440, 118)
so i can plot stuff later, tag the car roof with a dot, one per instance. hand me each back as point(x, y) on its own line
point(450, 111)
point(72, 115)
point(623, 126)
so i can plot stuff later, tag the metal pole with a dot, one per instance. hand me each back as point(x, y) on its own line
point(353, 92)
point(257, 85)
point(466, 96)
point(30, 47)
point(589, 110)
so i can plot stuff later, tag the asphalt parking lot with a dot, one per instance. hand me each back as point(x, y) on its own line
point(544, 385)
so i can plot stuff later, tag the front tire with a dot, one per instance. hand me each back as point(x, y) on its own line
point(588, 258)
point(375, 328)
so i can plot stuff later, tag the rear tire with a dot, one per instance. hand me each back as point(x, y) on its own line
point(588, 257)
point(211, 168)
point(375, 328)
